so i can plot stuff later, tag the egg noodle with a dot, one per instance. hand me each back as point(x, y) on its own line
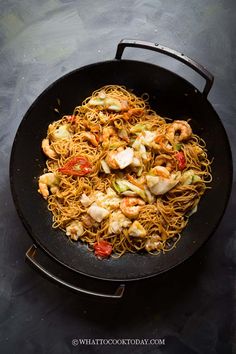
point(118, 172)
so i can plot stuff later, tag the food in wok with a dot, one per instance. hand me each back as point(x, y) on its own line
point(121, 178)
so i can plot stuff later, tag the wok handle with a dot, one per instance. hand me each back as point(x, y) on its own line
point(171, 53)
point(30, 257)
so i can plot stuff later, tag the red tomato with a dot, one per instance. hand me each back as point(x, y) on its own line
point(71, 119)
point(102, 249)
point(76, 166)
point(181, 160)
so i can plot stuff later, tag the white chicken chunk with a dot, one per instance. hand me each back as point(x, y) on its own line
point(124, 158)
point(137, 230)
point(74, 230)
point(117, 222)
point(97, 213)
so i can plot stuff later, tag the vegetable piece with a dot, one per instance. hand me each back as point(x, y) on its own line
point(76, 166)
point(124, 158)
point(178, 146)
point(61, 132)
point(135, 182)
point(150, 197)
point(137, 128)
point(189, 177)
point(193, 211)
point(102, 249)
point(196, 178)
point(181, 160)
point(105, 167)
point(85, 200)
point(119, 186)
point(160, 185)
point(96, 101)
point(97, 213)
point(122, 185)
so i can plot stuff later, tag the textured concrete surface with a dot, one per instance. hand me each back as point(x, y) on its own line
point(193, 307)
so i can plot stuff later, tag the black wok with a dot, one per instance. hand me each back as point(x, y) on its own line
point(170, 95)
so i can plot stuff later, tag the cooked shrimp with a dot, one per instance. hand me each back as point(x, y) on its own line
point(164, 161)
point(90, 137)
point(131, 206)
point(137, 159)
point(74, 230)
point(48, 180)
point(50, 152)
point(179, 130)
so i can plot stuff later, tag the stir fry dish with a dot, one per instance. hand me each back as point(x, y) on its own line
point(119, 177)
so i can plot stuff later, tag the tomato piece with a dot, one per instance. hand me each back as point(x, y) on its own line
point(71, 118)
point(181, 160)
point(76, 166)
point(102, 249)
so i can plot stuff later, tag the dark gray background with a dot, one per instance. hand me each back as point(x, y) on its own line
point(192, 307)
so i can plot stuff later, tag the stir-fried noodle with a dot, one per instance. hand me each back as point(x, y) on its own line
point(121, 178)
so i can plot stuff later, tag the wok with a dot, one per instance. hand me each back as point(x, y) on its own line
point(170, 95)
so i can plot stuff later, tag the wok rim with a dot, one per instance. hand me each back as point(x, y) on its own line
point(45, 248)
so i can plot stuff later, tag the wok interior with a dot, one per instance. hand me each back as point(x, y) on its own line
point(171, 96)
